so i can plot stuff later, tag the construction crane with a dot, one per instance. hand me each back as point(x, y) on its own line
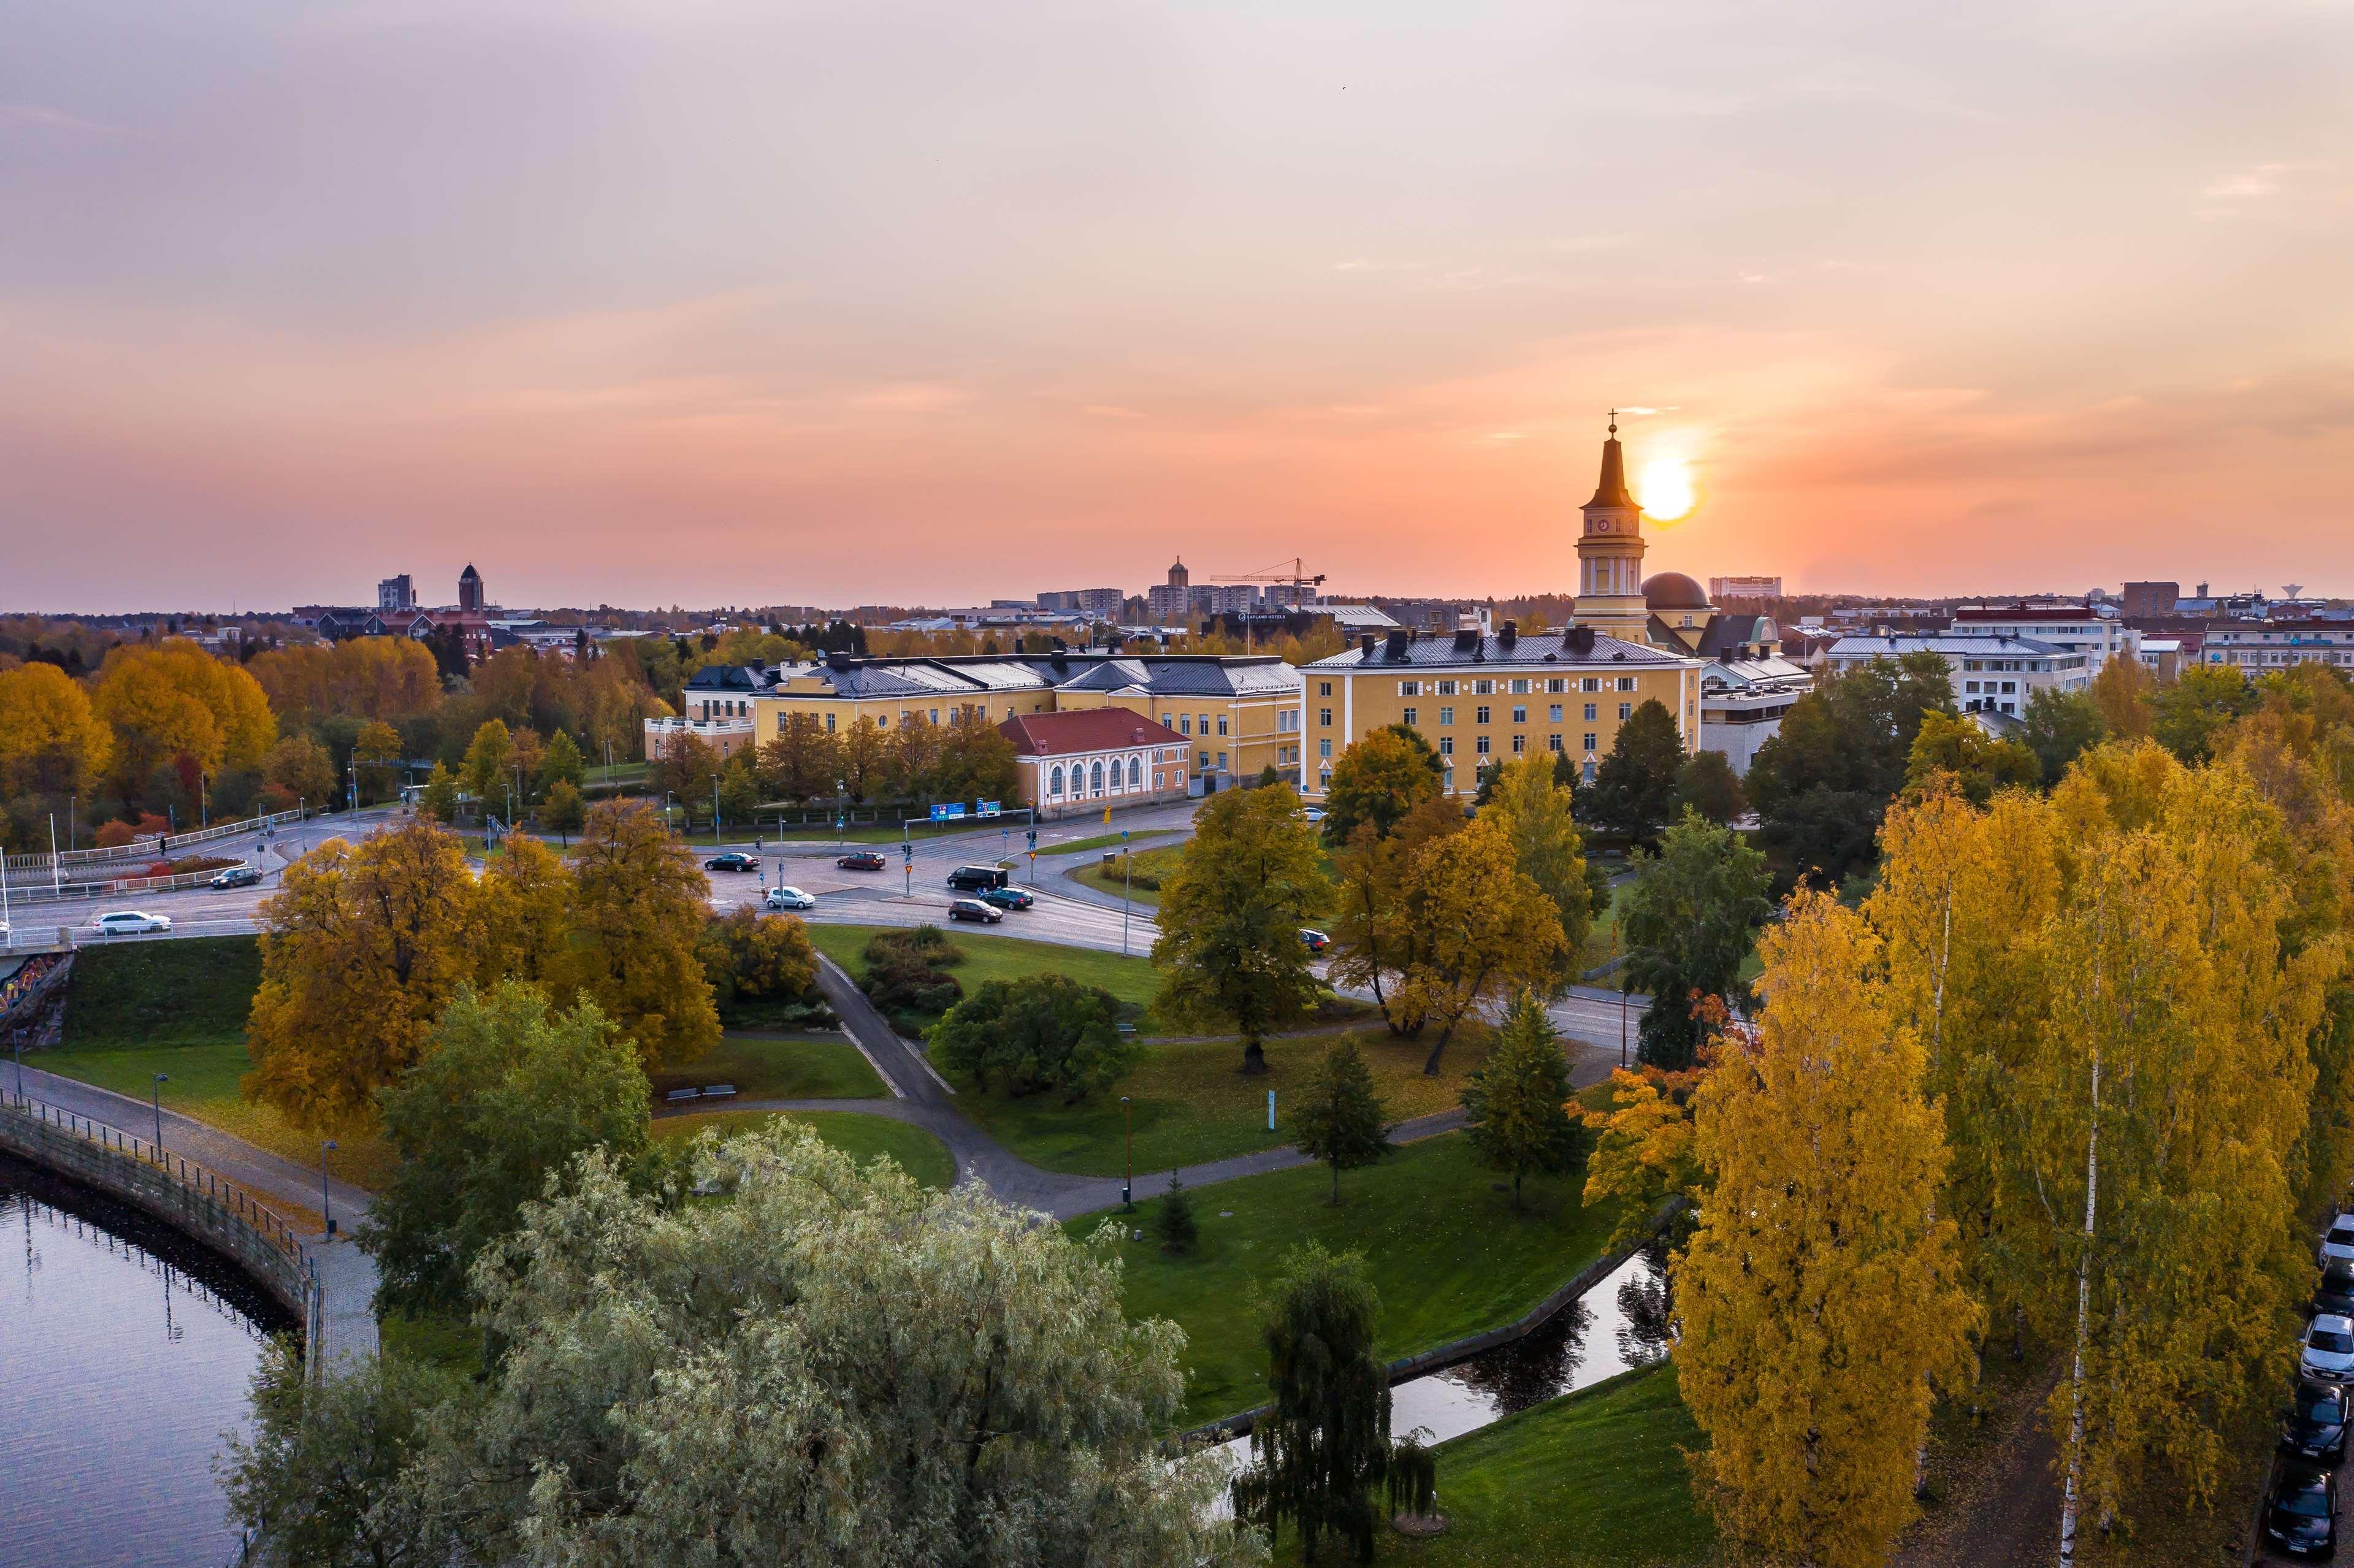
point(1296, 578)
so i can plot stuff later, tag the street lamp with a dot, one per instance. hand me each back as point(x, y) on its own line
point(156, 1088)
point(1127, 1158)
point(1123, 893)
point(715, 811)
point(325, 1214)
point(841, 812)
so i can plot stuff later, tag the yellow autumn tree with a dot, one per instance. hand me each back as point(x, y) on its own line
point(640, 909)
point(525, 900)
point(1819, 1298)
point(1478, 928)
point(175, 704)
point(51, 740)
point(361, 949)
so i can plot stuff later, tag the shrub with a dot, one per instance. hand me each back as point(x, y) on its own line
point(906, 972)
point(1041, 1032)
point(114, 835)
point(1174, 1226)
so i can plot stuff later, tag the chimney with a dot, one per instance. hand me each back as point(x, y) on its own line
point(1466, 640)
point(1510, 635)
point(1365, 647)
point(1396, 643)
point(838, 660)
point(1578, 640)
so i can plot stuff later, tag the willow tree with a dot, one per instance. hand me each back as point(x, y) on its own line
point(1820, 1299)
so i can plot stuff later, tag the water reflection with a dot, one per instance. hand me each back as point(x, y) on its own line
point(126, 1350)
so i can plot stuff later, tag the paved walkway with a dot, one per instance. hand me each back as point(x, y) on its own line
point(347, 1274)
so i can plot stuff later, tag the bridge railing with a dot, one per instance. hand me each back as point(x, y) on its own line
point(147, 848)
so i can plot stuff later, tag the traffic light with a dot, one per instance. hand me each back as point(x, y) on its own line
point(1033, 837)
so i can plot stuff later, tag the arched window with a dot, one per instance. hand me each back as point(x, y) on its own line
point(1054, 780)
point(1135, 773)
point(1098, 779)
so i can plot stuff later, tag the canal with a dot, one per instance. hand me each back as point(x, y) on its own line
point(127, 1351)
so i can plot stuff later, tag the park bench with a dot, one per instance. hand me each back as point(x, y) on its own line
point(675, 1096)
point(718, 1091)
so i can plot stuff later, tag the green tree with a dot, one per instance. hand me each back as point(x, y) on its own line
point(438, 801)
point(1516, 1105)
point(1229, 951)
point(301, 767)
point(1819, 1294)
point(1174, 1224)
point(1707, 784)
point(2188, 712)
point(563, 809)
point(1373, 938)
point(484, 774)
point(507, 1092)
point(1953, 747)
point(739, 790)
point(1688, 918)
point(316, 1470)
point(747, 953)
point(1337, 1118)
point(1325, 1445)
point(1823, 782)
point(1634, 791)
point(1268, 774)
point(834, 1367)
point(1379, 779)
point(2059, 726)
point(1038, 1032)
point(560, 762)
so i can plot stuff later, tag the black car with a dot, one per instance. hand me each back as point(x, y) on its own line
point(2335, 1294)
point(1005, 897)
point(734, 860)
point(861, 860)
point(974, 910)
point(2301, 1513)
point(973, 878)
point(2313, 1425)
point(237, 877)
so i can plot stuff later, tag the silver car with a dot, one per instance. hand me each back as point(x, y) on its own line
point(2338, 1240)
point(2327, 1349)
point(789, 898)
point(129, 922)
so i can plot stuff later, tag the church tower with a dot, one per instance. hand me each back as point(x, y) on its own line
point(1610, 553)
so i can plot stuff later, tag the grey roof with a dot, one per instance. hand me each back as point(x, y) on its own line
point(1354, 617)
point(1537, 648)
point(726, 678)
point(1973, 646)
point(976, 677)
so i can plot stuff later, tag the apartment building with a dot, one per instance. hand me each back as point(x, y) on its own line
point(2077, 628)
point(1480, 698)
point(2254, 647)
point(1991, 673)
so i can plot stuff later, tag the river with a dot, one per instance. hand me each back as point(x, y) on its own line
point(127, 1350)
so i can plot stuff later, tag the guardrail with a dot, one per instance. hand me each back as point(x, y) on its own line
point(175, 1189)
point(40, 893)
point(148, 848)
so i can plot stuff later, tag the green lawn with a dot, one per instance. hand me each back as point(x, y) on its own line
point(162, 992)
point(860, 1135)
point(1190, 1103)
point(1594, 1477)
point(1448, 1253)
point(1152, 865)
point(1104, 842)
point(203, 1086)
point(1132, 979)
point(788, 1068)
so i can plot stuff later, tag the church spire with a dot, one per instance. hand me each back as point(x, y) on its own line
point(1612, 491)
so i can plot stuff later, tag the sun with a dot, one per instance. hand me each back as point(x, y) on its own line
point(1667, 489)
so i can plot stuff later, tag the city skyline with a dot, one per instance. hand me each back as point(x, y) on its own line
point(909, 305)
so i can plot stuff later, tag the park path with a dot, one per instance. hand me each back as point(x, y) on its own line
point(347, 1276)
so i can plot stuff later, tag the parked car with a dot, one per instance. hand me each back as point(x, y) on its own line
point(1314, 814)
point(2336, 1292)
point(130, 922)
point(2301, 1513)
point(1314, 941)
point(2339, 1240)
point(1005, 897)
point(734, 860)
point(973, 878)
point(2313, 1426)
point(861, 860)
point(974, 910)
point(2327, 1347)
point(237, 877)
point(782, 898)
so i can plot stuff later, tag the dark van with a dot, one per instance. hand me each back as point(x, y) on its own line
point(973, 878)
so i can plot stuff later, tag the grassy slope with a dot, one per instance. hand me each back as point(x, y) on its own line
point(1154, 862)
point(1594, 1477)
point(1007, 957)
point(861, 1137)
point(1190, 1102)
point(180, 1007)
point(1448, 1253)
point(792, 1067)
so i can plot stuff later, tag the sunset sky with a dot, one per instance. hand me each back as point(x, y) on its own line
point(712, 302)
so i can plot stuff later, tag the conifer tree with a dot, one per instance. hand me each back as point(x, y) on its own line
point(1338, 1118)
point(1517, 1102)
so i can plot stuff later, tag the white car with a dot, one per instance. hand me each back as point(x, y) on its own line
point(2339, 1241)
point(789, 898)
point(2327, 1349)
point(129, 922)
point(1314, 814)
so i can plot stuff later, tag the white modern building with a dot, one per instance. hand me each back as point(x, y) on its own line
point(2254, 647)
point(1992, 673)
point(2065, 624)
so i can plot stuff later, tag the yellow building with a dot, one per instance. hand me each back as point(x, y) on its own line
point(1479, 699)
point(1241, 715)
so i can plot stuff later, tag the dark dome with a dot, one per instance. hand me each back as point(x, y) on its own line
point(1673, 590)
